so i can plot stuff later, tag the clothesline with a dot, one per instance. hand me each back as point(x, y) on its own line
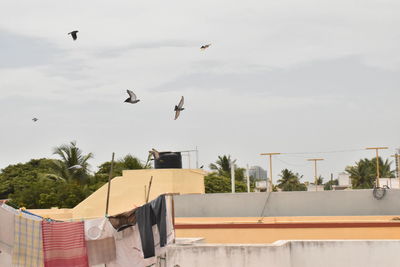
point(35, 241)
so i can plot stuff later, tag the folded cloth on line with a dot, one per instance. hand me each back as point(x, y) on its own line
point(6, 229)
point(100, 241)
point(64, 244)
point(123, 219)
point(27, 249)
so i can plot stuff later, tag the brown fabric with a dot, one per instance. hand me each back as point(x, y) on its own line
point(122, 219)
point(101, 251)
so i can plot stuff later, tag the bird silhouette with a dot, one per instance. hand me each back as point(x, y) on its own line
point(132, 97)
point(74, 34)
point(204, 47)
point(35, 119)
point(154, 153)
point(179, 108)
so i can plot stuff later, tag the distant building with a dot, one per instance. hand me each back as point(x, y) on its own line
point(311, 187)
point(258, 173)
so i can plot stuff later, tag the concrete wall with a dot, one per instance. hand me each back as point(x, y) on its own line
point(326, 203)
point(288, 254)
point(128, 190)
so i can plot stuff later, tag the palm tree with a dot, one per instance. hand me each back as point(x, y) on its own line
point(363, 174)
point(73, 165)
point(384, 168)
point(128, 162)
point(222, 165)
point(290, 181)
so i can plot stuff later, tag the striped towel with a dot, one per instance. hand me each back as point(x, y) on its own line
point(27, 249)
point(64, 244)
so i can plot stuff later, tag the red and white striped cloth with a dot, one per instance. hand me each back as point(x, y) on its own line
point(64, 244)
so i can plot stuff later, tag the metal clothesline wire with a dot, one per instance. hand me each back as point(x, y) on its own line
point(322, 152)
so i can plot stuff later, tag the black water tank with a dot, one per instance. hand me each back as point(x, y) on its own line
point(168, 160)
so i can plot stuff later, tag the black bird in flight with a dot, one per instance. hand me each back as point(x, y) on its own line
point(179, 108)
point(74, 34)
point(35, 119)
point(204, 47)
point(132, 97)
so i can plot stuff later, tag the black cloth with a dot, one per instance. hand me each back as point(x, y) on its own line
point(148, 215)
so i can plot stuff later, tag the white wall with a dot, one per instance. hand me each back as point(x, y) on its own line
point(390, 182)
point(326, 253)
point(344, 179)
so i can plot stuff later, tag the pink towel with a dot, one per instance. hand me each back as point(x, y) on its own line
point(64, 244)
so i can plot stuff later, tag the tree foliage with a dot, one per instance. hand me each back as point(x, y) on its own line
point(223, 168)
point(215, 183)
point(363, 173)
point(328, 185)
point(219, 181)
point(46, 183)
point(290, 181)
point(71, 156)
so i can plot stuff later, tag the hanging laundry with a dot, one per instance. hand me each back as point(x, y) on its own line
point(123, 220)
point(27, 250)
point(148, 215)
point(100, 241)
point(64, 244)
point(129, 249)
point(6, 230)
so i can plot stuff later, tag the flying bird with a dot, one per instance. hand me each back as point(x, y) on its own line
point(75, 167)
point(35, 119)
point(74, 34)
point(132, 97)
point(204, 47)
point(179, 108)
point(155, 153)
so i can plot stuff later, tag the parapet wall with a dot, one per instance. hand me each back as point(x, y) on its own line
point(288, 254)
point(278, 204)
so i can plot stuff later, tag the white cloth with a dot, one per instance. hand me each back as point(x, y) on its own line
point(129, 244)
point(129, 249)
point(100, 241)
point(5, 258)
point(6, 230)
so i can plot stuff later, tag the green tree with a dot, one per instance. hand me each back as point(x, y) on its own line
point(128, 162)
point(223, 168)
point(222, 165)
point(16, 177)
point(215, 183)
point(363, 173)
point(74, 164)
point(33, 185)
point(328, 185)
point(290, 181)
point(320, 180)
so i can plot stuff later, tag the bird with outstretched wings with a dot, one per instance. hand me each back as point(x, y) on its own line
point(132, 97)
point(74, 35)
point(179, 108)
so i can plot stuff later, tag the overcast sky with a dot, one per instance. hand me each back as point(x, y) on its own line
point(280, 76)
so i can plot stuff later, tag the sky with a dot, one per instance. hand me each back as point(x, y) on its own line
point(280, 76)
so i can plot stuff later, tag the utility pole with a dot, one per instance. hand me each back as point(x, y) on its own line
point(248, 178)
point(269, 183)
point(197, 158)
point(315, 171)
point(232, 163)
point(397, 161)
point(377, 161)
